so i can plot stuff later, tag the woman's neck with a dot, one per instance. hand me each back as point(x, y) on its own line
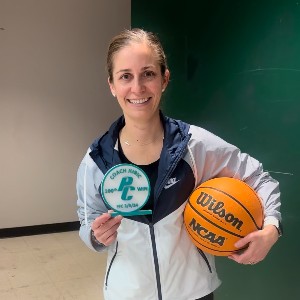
point(142, 134)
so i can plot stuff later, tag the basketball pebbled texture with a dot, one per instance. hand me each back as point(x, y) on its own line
point(220, 212)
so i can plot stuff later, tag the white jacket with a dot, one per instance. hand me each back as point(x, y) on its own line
point(157, 260)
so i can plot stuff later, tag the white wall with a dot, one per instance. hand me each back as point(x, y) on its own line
point(54, 101)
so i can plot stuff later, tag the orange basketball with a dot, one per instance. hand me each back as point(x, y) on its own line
point(220, 212)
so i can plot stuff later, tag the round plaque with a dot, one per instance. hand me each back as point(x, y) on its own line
point(125, 188)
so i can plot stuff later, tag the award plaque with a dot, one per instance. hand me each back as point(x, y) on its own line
point(125, 188)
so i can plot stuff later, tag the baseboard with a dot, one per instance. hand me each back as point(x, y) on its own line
point(38, 229)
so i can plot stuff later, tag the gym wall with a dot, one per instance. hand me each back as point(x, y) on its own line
point(235, 70)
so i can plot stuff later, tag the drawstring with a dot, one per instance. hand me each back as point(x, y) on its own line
point(84, 192)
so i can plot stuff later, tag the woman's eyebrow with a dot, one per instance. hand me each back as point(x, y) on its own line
point(129, 70)
point(123, 70)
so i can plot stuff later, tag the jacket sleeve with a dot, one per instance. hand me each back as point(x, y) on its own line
point(223, 159)
point(89, 202)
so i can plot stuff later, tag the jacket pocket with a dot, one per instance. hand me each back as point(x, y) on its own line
point(110, 265)
point(205, 259)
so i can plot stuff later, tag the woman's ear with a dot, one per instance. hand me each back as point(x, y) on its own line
point(111, 86)
point(166, 80)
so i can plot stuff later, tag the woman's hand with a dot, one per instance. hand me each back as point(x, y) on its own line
point(259, 244)
point(105, 228)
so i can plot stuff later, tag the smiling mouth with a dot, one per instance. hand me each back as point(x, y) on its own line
point(138, 101)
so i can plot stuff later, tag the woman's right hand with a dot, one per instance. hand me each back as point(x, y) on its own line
point(105, 228)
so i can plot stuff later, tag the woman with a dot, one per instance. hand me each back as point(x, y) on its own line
point(152, 257)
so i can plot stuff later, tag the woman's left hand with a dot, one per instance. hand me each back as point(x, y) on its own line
point(259, 244)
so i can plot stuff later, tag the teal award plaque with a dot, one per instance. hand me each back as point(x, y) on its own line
point(125, 188)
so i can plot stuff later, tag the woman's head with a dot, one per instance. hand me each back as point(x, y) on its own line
point(131, 36)
point(138, 73)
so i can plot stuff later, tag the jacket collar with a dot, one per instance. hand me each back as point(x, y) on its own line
point(105, 153)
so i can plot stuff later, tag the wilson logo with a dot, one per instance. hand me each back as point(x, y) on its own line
point(217, 208)
point(206, 234)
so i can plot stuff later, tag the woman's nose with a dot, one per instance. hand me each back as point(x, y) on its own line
point(138, 86)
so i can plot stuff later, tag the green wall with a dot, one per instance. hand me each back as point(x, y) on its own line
point(235, 70)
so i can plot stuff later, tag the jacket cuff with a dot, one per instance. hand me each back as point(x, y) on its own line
point(270, 220)
point(86, 236)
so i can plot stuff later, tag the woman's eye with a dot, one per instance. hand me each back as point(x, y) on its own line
point(149, 74)
point(125, 76)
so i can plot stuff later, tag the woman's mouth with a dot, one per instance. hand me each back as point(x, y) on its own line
point(138, 101)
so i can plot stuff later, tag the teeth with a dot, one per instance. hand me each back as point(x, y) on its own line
point(138, 101)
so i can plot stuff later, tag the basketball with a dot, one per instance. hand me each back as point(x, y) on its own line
point(220, 212)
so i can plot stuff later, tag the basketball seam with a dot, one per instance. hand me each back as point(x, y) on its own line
point(247, 211)
point(216, 250)
point(255, 194)
point(252, 189)
point(228, 231)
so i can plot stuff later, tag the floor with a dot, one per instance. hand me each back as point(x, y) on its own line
point(50, 266)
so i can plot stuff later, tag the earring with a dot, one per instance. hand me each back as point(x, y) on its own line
point(114, 95)
point(163, 90)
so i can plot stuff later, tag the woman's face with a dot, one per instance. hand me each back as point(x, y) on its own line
point(137, 81)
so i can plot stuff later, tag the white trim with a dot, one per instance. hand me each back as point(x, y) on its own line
point(193, 165)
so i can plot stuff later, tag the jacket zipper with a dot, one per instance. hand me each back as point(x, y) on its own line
point(155, 257)
point(155, 261)
point(111, 262)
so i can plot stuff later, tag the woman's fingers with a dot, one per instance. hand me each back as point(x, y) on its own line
point(105, 228)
